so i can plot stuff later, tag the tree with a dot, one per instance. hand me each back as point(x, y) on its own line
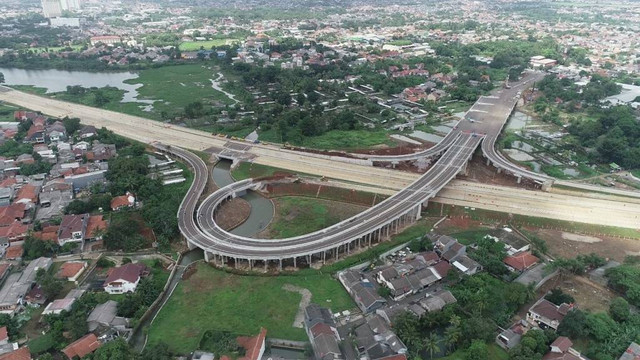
point(157, 352)
point(51, 286)
point(1, 78)
point(477, 351)
point(432, 344)
point(118, 349)
point(619, 309)
point(558, 297)
point(71, 125)
point(574, 325)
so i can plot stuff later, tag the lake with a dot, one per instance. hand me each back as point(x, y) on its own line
point(57, 80)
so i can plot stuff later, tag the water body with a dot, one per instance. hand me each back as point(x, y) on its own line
point(57, 80)
point(261, 208)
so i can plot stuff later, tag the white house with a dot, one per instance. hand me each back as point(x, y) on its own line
point(124, 279)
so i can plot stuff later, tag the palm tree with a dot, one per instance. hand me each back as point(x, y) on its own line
point(455, 320)
point(432, 344)
point(451, 336)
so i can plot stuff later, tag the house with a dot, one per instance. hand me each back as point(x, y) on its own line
point(82, 347)
point(125, 278)
point(123, 201)
point(22, 353)
point(27, 194)
point(546, 314)
point(17, 285)
point(14, 252)
point(561, 349)
point(87, 131)
point(72, 228)
point(96, 226)
point(520, 262)
point(322, 332)
point(35, 134)
point(71, 270)
point(254, 346)
point(15, 232)
point(104, 317)
point(632, 352)
point(375, 340)
point(362, 291)
point(59, 305)
point(56, 132)
point(510, 338)
point(466, 265)
point(4, 336)
point(437, 301)
point(12, 213)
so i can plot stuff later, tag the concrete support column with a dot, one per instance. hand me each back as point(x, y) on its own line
point(295, 265)
point(265, 264)
point(206, 256)
point(309, 261)
point(250, 264)
point(499, 170)
point(519, 179)
point(280, 265)
point(324, 257)
point(190, 245)
point(369, 239)
point(418, 212)
point(488, 162)
point(348, 245)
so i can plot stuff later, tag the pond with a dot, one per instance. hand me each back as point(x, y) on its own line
point(261, 208)
point(57, 80)
point(517, 121)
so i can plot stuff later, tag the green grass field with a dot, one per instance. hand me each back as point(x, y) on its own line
point(176, 86)
point(297, 215)
point(207, 45)
point(6, 112)
point(214, 299)
point(247, 170)
point(337, 139)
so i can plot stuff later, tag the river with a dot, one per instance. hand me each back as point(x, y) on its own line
point(261, 207)
point(57, 80)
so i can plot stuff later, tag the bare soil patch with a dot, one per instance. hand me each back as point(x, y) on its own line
point(589, 295)
point(610, 247)
point(233, 213)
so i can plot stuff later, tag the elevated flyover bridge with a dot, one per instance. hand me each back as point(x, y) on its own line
point(198, 226)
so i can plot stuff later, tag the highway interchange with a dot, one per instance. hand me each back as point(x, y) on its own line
point(482, 123)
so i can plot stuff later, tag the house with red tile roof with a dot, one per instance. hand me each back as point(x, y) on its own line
point(125, 278)
point(16, 231)
point(520, 262)
point(27, 194)
point(71, 270)
point(96, 226)
point(4, 336)
point(254, 346)
point(82, 347)
point(48, 233)
point(22, 353)
point(10, 214)
point(14, 252)
point(123, 201)
point(561, 349)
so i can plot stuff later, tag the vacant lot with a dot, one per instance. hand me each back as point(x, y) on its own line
point(197, 45)
point(299, 215)
point(564, 244)
point(589, 296)
point(213, 299)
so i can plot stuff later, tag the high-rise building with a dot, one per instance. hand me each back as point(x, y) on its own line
point(70, 5)
point(51, 8)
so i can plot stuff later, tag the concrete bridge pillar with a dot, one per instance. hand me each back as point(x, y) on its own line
point(265, 264)
point(519, 179)
point(250, 264)
point(369, 239)
point(488, 161)
point(206, 256)
point(547, 185)
point(499, 170)
point(295, 265)
point(418, 212)
point(190, 245)
point(280, 265)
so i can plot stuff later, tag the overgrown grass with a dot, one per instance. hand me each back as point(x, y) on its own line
point(207, 45)
point(494, 351)
point(336, 139)
point(300, 215)
point(6, 112)
point(216, 300)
